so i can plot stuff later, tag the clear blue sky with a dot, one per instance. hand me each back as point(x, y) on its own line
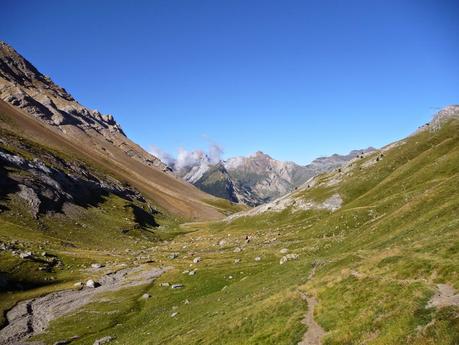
point(295, 79)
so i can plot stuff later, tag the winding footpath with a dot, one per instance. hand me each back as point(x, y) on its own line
point(315, 333)
point(32, 317)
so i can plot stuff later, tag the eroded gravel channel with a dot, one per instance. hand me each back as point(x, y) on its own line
point(32, 317)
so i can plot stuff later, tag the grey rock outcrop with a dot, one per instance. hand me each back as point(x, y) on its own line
point(47, 182)
point(442, 116)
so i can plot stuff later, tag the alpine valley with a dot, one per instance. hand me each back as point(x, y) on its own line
point(103, 243)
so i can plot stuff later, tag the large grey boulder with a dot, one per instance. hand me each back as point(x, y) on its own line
point(31, 198)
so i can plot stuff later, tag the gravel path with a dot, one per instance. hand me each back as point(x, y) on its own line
point(32, 317)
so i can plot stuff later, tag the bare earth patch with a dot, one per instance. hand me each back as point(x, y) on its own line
point(444, 297)
point(32, 317)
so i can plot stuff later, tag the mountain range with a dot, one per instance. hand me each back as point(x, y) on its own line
point(258, 178)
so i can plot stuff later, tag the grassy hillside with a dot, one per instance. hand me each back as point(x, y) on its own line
point(97, 225)
point(373, 264)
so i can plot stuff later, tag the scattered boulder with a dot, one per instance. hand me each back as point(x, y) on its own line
point(237, 250)
point(196, 260)
point(78, 285)
point(258, 258)
point(236, 261)
point(146, 296)
point(25, 255)
point(177, 286)
point(221, 243)
point(92, 284)
point(174, 314)
point(164, 284)
point(193, 272)
point(288, 257)
point(97, 265)
point(104, 340)
point(284, 251)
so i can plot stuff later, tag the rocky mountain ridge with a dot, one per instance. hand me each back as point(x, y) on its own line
point(39, 108)
point(23, 86)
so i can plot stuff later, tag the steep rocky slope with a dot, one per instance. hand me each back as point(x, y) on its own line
point(97, 137)
point(258, 178)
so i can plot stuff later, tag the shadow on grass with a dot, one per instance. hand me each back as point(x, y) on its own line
point(8, 283)
point(143, 218)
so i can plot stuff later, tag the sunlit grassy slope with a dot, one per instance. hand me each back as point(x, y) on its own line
point(372, 265)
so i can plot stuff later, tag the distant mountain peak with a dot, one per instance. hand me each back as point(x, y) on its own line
point(257, 178)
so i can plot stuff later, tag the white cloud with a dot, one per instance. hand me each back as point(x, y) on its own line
point(162, 155)
point(186, 159)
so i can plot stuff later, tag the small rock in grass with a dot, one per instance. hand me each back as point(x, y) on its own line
point(196, 260)
point(284, 251)
point(177, 286)
point(78, 285)
point(222, 243)
point(186, 301)
point(288, 257)
point(165, 284)
point(236, 261)
point(62, 342)
point(193, 272)
point(146, 296)
point(104, 340)
point(237, 250)
point(258, 258)
point(173, 256)
point(97, 266)
point(174, 314)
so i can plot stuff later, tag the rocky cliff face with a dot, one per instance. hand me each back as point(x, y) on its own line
point(258, 178)
point(49, 183)
point(23, 86)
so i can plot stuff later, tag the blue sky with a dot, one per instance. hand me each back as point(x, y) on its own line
point(295, 79)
